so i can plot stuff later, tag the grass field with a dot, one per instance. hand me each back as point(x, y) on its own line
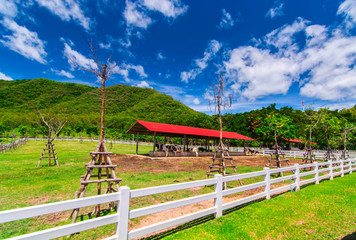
point(23, 185)
point(324, 211)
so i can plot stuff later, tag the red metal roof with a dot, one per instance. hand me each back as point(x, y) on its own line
point(167, 129)
point(297, 140)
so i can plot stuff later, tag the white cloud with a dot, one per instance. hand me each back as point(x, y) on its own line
point(8, 8)
point(62, 73)
point(196, 101)
point(284, 37)
point(143, 84)
point(160, 56)
point(78, 58)
point(105, 46)
point(24, 41)
point(276, 10)
point(226, 20)
point(135, 16)
point(348, 10)
point(127, 69)
point(332, 70)
point(4, 77)
point(326, 63)
point(169, 8)
point(201, 63)
point(257, 72)
point(67, 10)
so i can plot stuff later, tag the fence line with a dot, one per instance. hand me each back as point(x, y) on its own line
point(123, 196)
point(12, 145)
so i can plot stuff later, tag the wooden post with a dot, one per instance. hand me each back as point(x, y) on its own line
point(154, 141)
point(137, 143)
point(184, 142)
point(165, 140)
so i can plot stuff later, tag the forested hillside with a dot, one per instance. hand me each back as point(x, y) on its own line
point(81, 106)
point(125, 104)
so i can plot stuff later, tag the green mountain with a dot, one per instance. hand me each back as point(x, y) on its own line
point(81, 104)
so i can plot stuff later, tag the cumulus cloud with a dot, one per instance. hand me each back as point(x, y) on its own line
point(23, 41)
point(348, 10)
point(169, 8)
point(62, 73)
point(138, 69)
point(67, 10)
point(323, 65)
point(8, 8)
point(276, 10)
point(135, 15)
point(201, 63)
point(196, 101)
point(4, 77)
point(226, 20)
point(143, 84)
point(160, 56)
point(77, 58)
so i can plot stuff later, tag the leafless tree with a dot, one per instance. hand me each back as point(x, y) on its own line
point(53, 123)
point(220, 101)
point(103, 70)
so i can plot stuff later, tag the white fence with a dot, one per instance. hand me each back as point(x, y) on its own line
point(322, 170)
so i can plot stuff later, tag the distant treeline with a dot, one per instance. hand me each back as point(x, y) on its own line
point(79, 105)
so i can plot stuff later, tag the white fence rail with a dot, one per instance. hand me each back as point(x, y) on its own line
point(121, 218)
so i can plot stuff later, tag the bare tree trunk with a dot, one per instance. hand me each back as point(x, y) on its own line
point(102, 118)
point(220, 121)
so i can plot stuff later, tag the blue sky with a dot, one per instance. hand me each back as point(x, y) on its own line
point(269, 51)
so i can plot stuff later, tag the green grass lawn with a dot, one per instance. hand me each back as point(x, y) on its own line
point(23, 185)
point(324, 211)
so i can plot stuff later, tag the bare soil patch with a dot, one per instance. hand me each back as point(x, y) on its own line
point(139, 163)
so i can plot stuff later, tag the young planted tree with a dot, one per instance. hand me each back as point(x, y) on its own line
point(276, 127)
point(347, 128)
point(100, 160)
point(220, 101)
point(331, 125)
point(313, 119)
point(54, 125)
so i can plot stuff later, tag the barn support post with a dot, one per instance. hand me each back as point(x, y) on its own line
point(137, 143)
point(208, 144)
point(154, 141)
point(165, 140)
point(184, 143)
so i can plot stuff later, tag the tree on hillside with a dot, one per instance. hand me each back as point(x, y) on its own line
point(100, 160)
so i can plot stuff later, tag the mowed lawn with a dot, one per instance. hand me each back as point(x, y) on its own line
point(324, 211)
point(330, 205)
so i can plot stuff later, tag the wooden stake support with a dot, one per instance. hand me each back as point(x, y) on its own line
point(99, 166)
point(49, 152)
point(218, 165)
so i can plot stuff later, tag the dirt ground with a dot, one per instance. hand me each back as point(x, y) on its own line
point(139, 163)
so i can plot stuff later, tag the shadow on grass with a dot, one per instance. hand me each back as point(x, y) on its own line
point(351, 236)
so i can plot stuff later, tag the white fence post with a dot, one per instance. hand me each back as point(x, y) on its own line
point(297, 177)
point(123, 212)
point(268, 183)
point(331, 170)
point(316, 175)
point(218, 188)
point(295, 154)
point(342, 168)
point(350, 162)
point(263, 152)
